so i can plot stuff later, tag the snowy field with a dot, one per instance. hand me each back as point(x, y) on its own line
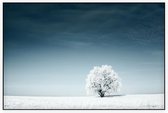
point(145, 101)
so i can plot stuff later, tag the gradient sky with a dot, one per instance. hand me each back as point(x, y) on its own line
point(50, 48)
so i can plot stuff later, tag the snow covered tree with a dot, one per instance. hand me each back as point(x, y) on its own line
point(102, 81)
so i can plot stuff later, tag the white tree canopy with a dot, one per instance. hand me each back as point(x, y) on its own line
point(102, 80)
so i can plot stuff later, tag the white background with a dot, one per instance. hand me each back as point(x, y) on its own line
point(77, 111)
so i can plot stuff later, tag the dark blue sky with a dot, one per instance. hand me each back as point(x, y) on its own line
point(50, 48)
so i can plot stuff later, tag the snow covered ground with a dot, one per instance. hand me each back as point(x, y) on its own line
point(145, 101)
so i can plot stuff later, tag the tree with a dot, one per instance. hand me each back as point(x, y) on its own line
point(102, 81)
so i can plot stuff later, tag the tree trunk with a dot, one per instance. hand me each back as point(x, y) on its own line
point(101, 93)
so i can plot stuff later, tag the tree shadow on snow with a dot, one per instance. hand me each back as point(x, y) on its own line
point(114, 95)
